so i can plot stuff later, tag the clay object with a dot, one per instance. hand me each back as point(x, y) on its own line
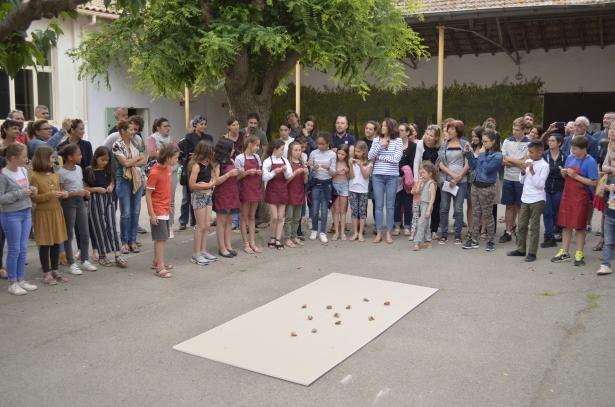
point(336, 315)
point(310, 317)
point(366, 299)
point(293, 334)
point(304, 306)
point(371, 318)
point(329, 307)
point(314, 330)
point(387, 303)
point(348, 307)
point(338, 322)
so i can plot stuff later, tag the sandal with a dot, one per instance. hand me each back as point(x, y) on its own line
point(166, 266)
point(254, 247)
point(278, 244)
point(248, 249)
point(3, 274)
point(103, 261)
point(121, 262)
point(134, 247)
point(290, 244)
point(271, 243)
point(59, 277)
point(599, 246)
point(164, 273)
point(125, 249)
point(298, 242)
point(49, 280)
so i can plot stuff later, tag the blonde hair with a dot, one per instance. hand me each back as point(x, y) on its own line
point(361, 146)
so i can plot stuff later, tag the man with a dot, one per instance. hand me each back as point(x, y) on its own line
point(579, 129)
point(138, 138)
point(529, 119)
point(186, 147)
point(17, 115)
point(120, 113)
point(514, 151)
point(292, 118)
point(41, 112)
point(341, 135)
point(253, 120)
point(609, 117)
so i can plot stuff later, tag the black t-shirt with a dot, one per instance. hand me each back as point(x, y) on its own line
point(430, 154)
point(98, 180)
point(204, 173)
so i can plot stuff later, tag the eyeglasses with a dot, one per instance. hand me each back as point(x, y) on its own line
point(45, 128)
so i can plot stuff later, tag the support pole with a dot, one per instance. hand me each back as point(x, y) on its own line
point(187, 106)
point(298, 88)
point(440, 74)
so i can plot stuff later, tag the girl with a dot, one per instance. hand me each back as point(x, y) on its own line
point(48, 218)
point(403, 200)
point(428, 179)
point(98, 181)
point(249, 165)
point(296, 193)
point(485, 166)
point(16, 215)
point(310, 130)
point(386, 153)
point(427, 150)
point(226, 196)
point(322, 161)
point(340, 185)
point(74, 208)
point(276, 171)
point(360, 170)
point(201, 184)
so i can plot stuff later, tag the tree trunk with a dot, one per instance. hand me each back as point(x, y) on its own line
point(243, 103)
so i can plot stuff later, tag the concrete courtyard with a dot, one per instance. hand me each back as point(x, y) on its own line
point(500, 332)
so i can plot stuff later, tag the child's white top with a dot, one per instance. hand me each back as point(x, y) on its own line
point(534, 185)
point(358, 184)
point(240, 160)
point(268, 174)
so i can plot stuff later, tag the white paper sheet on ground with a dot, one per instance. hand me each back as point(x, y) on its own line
point(261, 340)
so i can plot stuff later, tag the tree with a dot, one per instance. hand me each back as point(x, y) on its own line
point(250, 47)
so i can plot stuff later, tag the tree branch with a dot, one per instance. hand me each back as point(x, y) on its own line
point(206, 11)
point(20, 18)
point(278, 72)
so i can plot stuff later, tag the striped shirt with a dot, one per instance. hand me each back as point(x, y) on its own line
point(386, 161)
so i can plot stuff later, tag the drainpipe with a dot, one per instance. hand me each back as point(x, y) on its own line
point(84, 92)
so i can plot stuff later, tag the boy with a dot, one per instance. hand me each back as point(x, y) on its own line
point(533, 176)
point(609, 225)
point(514, 151)
point(580, 177)
point(158, 198)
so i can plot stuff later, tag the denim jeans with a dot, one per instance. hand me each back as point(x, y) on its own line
point(16, 226)
point(445, 206)
point(130, 207)
point(609, 240)
point(321, 195)
point(385, 186)
point(403, 200)
point(550, 213)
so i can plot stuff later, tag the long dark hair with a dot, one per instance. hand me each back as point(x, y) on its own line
point(274, 146)
point(494, 137)
point(391, 128)
point(108, 170)
point(222, 151)
point(313, 120)
point(203, 151)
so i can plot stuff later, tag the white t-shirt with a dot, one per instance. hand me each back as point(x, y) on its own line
point(358, 184)
point(19, 176)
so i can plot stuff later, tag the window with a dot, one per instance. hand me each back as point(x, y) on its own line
point(30, 88)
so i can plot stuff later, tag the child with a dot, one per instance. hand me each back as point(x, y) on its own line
point(533, 176)
point(340, 185)
point(48, 218)
point(416, 207)
point(74, 208)
point(485, 167)
point(609, 223)
point(580, 177)
point(201, 185)
point(428, 178)
point(296, 193)
point(360, 170)
point(226, 196)
point(276, 171)
point(249, 165)
point(98, 181)
point(16, 215)
point(158, 198)
point(322, 161)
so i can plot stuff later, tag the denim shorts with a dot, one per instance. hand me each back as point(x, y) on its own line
point(341, 188)
point(511, 192)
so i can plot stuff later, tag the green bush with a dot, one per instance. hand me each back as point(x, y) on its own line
point(468, 102)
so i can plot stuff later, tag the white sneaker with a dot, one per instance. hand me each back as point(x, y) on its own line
point(86, 265)
point(604, 270)
point(323, 238)
point(27, 286)
point(200, 260)
point(209, 256)
point(313, 235)
point(75, 270)
point(15, 289)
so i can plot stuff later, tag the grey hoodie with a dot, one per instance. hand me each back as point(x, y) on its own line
point(12, 197)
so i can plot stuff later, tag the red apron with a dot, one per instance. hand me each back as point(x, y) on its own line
point(276, 192)
point(574, 204)
point(226, 195)
point(250, 186)
point(296, 187)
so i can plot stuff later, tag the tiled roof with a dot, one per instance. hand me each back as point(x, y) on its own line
point(98, 6)
point(452, 6)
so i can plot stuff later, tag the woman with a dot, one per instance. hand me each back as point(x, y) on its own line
point(235, 136)
point(553, 187)
point(129, 187)
point(427, 150)
point(453, 163)
point(40, 132)
point(161, 136)
point(76, 131)
point(310, 130)
point(385, 153)
point(414, 133)
point(403, 200)
point(605, 169)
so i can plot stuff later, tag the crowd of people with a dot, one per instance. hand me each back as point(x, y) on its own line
point(58, 190)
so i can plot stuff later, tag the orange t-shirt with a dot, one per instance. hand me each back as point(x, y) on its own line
point(159, 181)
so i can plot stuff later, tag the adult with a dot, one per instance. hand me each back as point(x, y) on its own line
point(385, 153)
point(605, 169)
point(161, 135)
point(490, 123)
point(514, 151)
point(76, 131)
point(553, 188)
point(292, 119)
point(120, 113)
point(607, 119)
point(41, 112)
point(403, 199)
point(414, 133)
point(128, 162)
point(535, 133)
point(310, 131)
point(372, 128)
point(137, 139)
point(253, 129)
point(234, 135)
point(186, 147)
point(427, 150)
point(454, 166)
point(580, 129)
point(342, 136)
point(40, 132)
point(528, 118)
point(17, 116)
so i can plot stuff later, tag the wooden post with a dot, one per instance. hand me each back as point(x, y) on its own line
point(187, 106)
point(440, 74)
point(298, 88)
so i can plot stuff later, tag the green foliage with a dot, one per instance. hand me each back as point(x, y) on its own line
point(468, 102)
